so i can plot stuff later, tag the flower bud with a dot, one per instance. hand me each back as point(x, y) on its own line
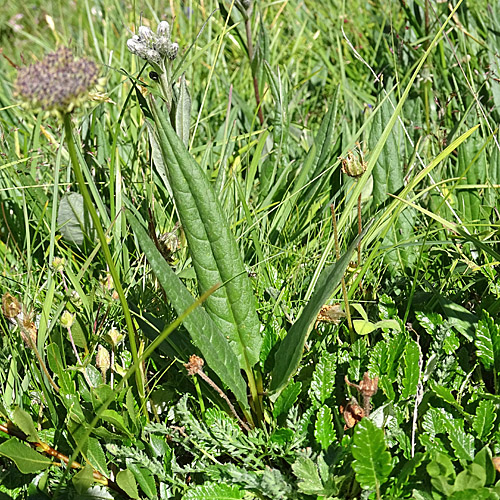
point(146, 34)
point(164, 30)
point(172, 51)
point(102, 360)
point(58, 264)
point(152, 56)
point(67, 319)
point(114, 337)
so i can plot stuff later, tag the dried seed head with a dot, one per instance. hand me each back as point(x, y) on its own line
point(194, 365)
point(352, 413)
point(102, 360)
point(354, 165)
point(58, 83)
point(368, 386)
point(11, 307)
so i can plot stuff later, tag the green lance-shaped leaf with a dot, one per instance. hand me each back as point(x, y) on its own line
point(289, 353)
point(183, 112)
point(207, 337)
point(372, 462)
point(28, 461)
point(212, 246)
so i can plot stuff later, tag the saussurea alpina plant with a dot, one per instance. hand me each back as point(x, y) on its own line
point(226, 329)
point(56, 86)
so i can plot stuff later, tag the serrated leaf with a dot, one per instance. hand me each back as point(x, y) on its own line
point(214, 492)
point(307, 473)
point(205, 334)
point(445, 394)
point(83, 479)
point(487, 342)
point(144, 478)
point(372, 462)
point(126, 481)
point(323, 379)
point(412, 370)
point(213, 248)
point(324, 431)
point(462, 443)
point(28, 461)
point(484, 419)
point(286, 399)
point(95, 455)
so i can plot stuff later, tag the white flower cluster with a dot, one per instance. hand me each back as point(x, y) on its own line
point(154, 47)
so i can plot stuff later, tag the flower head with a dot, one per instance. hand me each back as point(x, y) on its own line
point(58, 83)
point(154, 47)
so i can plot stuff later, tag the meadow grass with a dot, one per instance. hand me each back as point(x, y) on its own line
point(267, 269)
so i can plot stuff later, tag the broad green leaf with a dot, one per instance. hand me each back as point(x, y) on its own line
point(72, 218)
point(144, 478)
point(95, 455)
point(214, 491)
point(324, 431)
point(287, 399)
point(484, 459)
point(83, 479)
point(28, 461)
point(314, 163)
point(363, 327)
point(213, 249)
point(412, 370)
point(487, 342)
point(472, 478)
point(23, 420)
point(445, 394)
point(484, 419)
point(372, 462)
point(289, 353)
point(307, 473)
point(441, 471)
point(126, 481)
point(206, 336)
point(116, 420)
point(323, 379)
point(388, 171)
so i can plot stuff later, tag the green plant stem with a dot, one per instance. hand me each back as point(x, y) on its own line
point(107, 254)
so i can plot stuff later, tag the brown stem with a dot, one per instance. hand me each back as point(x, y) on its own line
point(10, 429)
point(212, 384)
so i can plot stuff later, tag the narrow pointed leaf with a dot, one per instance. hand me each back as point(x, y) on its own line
point(207, 337)
point(289, 353)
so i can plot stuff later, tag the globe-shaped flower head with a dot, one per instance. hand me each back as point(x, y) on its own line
point(58, 83)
